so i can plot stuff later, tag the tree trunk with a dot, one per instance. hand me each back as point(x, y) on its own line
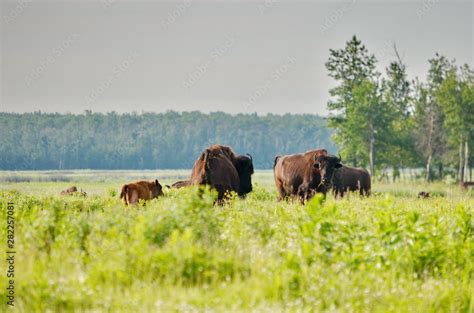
point(429, 148)
point(428, 168)
point(466, 160)
point(470, 172)
point(371, 153)
point(440, 170)
point(461, 163)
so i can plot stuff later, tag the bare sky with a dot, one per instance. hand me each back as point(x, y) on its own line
point(248, 56)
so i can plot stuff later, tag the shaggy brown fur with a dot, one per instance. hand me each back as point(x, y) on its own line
point(222, 169)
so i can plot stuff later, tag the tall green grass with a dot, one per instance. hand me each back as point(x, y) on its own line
point(387, 253)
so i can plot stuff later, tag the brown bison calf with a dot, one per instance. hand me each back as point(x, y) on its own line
point(73, 191)
point(132, 193)
point(69, 191)
point(351, 179)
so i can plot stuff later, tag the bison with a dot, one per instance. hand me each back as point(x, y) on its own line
point(69, 191)
point(423, 195)
point(351, 179)
point(73, 191)
point(145, 190)
point(180, 184)
point(222, 169)
point(302, 175)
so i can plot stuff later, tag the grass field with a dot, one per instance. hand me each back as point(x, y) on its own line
point(391, 252)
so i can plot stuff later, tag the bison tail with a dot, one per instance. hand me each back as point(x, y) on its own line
point(276, 160)
point(124, 191)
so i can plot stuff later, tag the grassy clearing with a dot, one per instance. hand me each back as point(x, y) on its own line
point(390, 252)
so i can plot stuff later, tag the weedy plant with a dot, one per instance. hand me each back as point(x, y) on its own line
point(181, 252)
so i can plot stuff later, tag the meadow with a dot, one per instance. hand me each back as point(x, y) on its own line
point(391, 252)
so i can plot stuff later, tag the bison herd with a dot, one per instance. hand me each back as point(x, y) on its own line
point(297, 176)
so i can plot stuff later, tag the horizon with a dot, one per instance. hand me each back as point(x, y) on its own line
point(164, 112)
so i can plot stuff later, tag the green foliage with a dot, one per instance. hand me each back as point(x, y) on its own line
point(180, 252)
point(353, 68)
point(456, 96)
point(369, 114)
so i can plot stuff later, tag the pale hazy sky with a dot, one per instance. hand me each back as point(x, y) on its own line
point(232, 56)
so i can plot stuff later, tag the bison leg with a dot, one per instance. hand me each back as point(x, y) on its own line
point(132, 197)
point(281, 192)
point(337, 193)
point(305, 193)
point(366, 192)
point(221, 193)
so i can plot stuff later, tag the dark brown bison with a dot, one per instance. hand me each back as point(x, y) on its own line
point(351, 179)
point(423, 195)
point(302, 175)
point(466, 184)
point(145, 190)
point(222, 169)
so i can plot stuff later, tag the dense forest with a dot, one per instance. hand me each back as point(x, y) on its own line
point(150, 140)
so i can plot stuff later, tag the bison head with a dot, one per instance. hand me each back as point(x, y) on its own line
point(156, 189)
point(326, 164)
point(244, 166)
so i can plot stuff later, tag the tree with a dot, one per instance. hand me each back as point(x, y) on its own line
point(455, 95)
point(369, 118)
point(358, 112)
point(398, 96)
point(429, 116)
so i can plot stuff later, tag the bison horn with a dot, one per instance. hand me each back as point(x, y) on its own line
point(340, 159)
point(250, 156)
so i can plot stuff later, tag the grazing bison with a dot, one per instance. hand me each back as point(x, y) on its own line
point(351, 179)
point(304, 174)
point(69, 191)
point(132, 193)
point(222, 169)
point(73, 191)
point(423, 195)
point(466, 184)
point(180, 184)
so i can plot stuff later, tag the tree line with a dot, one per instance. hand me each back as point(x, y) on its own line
point(42, 141)
point(385, 120)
